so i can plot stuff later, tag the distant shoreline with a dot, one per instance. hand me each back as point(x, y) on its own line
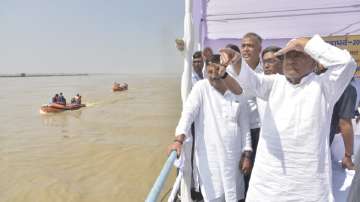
point(156, 74)
point(40, 75)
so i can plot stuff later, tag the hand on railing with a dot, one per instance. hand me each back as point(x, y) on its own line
point(177, 145)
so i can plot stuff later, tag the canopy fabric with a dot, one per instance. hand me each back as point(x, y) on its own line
point(277, 19)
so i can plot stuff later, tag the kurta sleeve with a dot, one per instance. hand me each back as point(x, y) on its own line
point(190, 110)
point(244, 124)
point(340, 64)
point(253, 83)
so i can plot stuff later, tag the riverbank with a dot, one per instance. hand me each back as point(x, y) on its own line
point(40, 75)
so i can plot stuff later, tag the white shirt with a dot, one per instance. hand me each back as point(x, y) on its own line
point(254, 113)
point(293, 159)
point(251, 99)
point(195, 78)
point(222, 133)
point(261, 106)
point(204, 70)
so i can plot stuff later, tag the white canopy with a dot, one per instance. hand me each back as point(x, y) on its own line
point(278, 19)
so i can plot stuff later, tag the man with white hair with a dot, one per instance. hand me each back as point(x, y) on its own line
point(250, 51)
point(293, 157)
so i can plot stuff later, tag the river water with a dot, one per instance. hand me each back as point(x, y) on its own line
point(110, 151)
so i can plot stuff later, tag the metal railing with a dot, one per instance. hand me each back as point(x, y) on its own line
point(160, 181)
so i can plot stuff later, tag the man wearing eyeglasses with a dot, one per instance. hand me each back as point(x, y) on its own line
point(293, 158)
point(272, 64)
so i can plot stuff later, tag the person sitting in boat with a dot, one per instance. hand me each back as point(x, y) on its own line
point(61, 99)
point(76, 99)
point(116, 85)
point(124, 86)
point(73, 100)
point(55, 98)
point(119, 87)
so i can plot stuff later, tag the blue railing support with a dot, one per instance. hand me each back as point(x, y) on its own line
point(160, 181)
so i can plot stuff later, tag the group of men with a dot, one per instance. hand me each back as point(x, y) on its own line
point(274, 113)
point(60, 99)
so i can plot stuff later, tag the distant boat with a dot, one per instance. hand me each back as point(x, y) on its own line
point(55, 108)
point(119, 87)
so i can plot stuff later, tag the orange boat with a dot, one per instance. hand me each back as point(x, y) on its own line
point(119, 87)
point(54, 108)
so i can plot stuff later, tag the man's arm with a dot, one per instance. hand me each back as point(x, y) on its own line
point(346, 111)
point(243, 120)
point(232, 84)
point(189, 113)
point(244, 123)
point(346, 129)
point(340, 64)
point(249, 81)
point(254, 83)
point(190, 110)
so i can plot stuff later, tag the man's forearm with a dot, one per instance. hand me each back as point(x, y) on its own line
point(347, 133)
point(232, 85)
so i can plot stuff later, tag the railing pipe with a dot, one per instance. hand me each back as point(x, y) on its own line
point(160, 181)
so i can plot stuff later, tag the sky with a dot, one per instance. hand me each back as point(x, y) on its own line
point(90, 36)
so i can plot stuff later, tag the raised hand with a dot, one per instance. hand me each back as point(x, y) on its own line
point(180, 44)
point(229, 56)
point(207, 53)
point(293, 45)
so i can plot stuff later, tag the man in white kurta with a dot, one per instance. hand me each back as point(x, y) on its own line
point(272, 65)
point(293, 158)
point(222, 134)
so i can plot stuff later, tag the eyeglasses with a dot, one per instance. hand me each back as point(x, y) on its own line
point(197, 61)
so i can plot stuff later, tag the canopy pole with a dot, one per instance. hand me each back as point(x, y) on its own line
point(189, 46)
point(185, 90)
